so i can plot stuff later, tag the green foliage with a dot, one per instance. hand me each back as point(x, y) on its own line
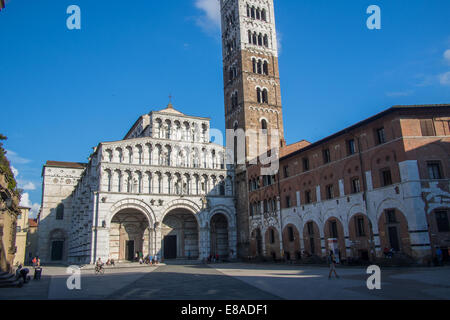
point(5, 168)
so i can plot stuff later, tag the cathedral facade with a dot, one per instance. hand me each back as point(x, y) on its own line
point(163, 190)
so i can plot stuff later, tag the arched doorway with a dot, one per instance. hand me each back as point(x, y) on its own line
point(394, 233)
point(180, 235)
point(272, 241)
point(361, 237)
point(57, 245)
point(291, 243)
point(256, 246)
point(311, 236)
point(335, 238)
point(219, 236)
point(129, 235)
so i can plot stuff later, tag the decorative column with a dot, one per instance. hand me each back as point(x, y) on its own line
point(157, 250)
point(204, 242)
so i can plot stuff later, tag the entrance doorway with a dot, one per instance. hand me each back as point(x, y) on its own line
point(393, 238)
point(57, 250)
point(130, 250)
point(129, 233)
point(170, 247)
point(219, 236)
point(180, 234)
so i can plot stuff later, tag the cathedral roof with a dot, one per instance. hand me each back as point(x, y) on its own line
point(170, 109)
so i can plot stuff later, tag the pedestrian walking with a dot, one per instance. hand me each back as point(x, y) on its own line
point(332, 264)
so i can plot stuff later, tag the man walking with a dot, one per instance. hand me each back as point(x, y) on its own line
point(332, 264)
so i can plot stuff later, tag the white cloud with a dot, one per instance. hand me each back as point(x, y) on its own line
point(444, 79)
point(27, 186)
point(210, 20)
point(447, 55)
point(26, 202)
point(279, 44)
point(400, 93)
point(13, 157)
point(15, 172)
point(23, 184)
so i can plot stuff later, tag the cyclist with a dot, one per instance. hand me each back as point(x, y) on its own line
point(99, 264)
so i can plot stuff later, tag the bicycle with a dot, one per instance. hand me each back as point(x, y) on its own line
point(99, 270)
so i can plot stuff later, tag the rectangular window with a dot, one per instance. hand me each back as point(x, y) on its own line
point(308, 197)
point(291, 234)
point(305, 164)
point(330, 193)
point(326, 156)
point(351, 147)
point(310, 228)
point(360, 227)
point(390, 216)
point(333, 229)
point(442, 221)
point(272, 236)
point(386, 177)
point(381, 138)
point(18, 229)
point(286, 171)
point(434, 170)
point(288, 201)
point(356, 185)
point(427, 128)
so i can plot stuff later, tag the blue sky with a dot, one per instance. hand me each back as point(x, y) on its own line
point(65, 91)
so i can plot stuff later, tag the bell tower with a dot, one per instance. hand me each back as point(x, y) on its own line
point(251, 88)
point(250, 67)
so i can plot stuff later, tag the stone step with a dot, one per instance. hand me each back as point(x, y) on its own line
point(6, 277)
point(8, 280)
point(11, 283)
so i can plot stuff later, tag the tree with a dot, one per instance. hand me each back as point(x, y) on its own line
point(5, 168)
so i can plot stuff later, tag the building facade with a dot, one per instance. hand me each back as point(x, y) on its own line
point(382, 183)
point(163, 190)
point(21, 236)
point(31, 249)
point(9, 211)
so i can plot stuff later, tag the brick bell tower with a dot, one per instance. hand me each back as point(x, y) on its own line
point(251, 86)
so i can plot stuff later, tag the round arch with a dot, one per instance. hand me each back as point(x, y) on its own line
point(394, 231)
point(311, 238)
point(272, 241)
point(191, 206)
point(291, 242)
point(132, 204)
point(334, 229)
point(361, 237)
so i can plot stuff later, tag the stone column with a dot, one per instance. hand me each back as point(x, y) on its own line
point(158, 240)
point(204, 243)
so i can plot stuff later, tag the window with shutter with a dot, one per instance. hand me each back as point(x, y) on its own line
point(427, 128)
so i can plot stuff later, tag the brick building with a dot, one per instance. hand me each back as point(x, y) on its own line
point(381, 183)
